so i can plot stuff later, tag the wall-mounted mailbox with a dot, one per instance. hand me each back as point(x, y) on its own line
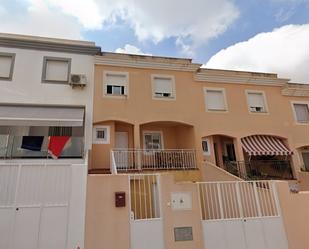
point(120, 199)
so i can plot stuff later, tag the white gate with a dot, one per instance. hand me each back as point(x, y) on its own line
point(146, 220)
point(241, 215)
point(34, 206)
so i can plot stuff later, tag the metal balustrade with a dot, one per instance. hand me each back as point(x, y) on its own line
point(142, 159)
point(144, 196)
point(11, 148)
point(239, 199)
point(260, 169)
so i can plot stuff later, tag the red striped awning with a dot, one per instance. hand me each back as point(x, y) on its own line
point(257, 145)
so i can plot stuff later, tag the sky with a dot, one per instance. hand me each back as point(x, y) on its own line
point(252, 35)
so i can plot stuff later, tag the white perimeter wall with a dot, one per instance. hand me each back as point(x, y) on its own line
point(26, 86)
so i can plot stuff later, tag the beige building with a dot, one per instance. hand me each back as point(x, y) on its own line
point(172, 146)
point(157, 113)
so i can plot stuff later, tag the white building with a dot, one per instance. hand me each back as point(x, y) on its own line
point(42, 199)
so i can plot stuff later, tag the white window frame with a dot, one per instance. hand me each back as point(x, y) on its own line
point(264, 98)
point(294, 112)
point(12, 55)
point(152, 132)
point(206, 153)
point(59, 59)
point(126, 90)
point(96, 140)
point(225, 110)
point(167, 76)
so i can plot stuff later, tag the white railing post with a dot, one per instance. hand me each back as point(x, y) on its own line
point(139, 159)
point(276, 199)
point(257, 199)
point(113, 163)
point(220, 201)
point(238, 197)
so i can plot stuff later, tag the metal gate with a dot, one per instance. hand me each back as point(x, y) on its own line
point(146, 219)
point(241, 215)
point(34, 206)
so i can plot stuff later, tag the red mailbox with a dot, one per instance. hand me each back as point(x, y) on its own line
point(120, 199)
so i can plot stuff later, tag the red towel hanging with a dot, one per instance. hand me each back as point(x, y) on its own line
point(56, 145)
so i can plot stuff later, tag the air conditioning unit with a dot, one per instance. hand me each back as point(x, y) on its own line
point(78, 80)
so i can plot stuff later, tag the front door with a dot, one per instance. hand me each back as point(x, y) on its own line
point(230, 151)
point(122, 144)
point(306, 160)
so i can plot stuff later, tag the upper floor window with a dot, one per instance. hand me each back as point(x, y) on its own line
point(101, 134)
point(163, 87)
point(256, 101)
point(115, 84)
point(301, 112)
point(56, 70)
point(215, 99)
point(6, 66)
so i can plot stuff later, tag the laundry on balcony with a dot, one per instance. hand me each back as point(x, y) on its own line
point(56, 145)
point(32, 143)
point(258, 145)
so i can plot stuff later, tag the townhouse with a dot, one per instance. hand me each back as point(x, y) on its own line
point(170, 114)
point(106, 150)
point(172, 144)
point(45, 132)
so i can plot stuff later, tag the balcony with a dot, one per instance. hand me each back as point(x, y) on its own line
point(130, 160)
point(11, 148)
point(261, 169)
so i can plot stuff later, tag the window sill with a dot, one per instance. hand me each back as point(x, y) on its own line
point(217, 110)
point(116, 96)
point(164, 98)
point(55, 82)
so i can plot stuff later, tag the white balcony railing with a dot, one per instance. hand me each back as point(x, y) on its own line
point(141, 159)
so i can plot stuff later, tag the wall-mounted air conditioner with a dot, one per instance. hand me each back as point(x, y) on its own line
point(78, 80)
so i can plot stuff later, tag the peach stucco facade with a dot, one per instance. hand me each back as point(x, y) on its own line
point(109, 226)
point(184, 120)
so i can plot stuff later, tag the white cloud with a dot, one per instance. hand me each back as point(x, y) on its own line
point(283, 51)
point(130, 49)
point(191, 23)
point(39, 20)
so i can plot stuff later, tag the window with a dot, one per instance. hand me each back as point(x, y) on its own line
point(153, 141)
point(115, 84)
point(215, 99)
point(6, 66)
point(163, 86)
point(56, 70)
point(256, 102)
point(301, 112)
point(205, 146)
point(101, 134)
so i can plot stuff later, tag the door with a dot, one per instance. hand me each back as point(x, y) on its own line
point(230, 151)
point(305, 156)
point(34, 206)
point(122, 144)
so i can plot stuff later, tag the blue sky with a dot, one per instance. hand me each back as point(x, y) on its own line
point(215, 33)
point(256, 16)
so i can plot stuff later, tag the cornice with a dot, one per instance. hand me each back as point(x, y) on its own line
point(46, 45)
point(295, 90)
point(246, 78)
point(147, 62)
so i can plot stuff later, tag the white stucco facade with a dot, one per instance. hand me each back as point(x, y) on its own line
point(50, 219)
